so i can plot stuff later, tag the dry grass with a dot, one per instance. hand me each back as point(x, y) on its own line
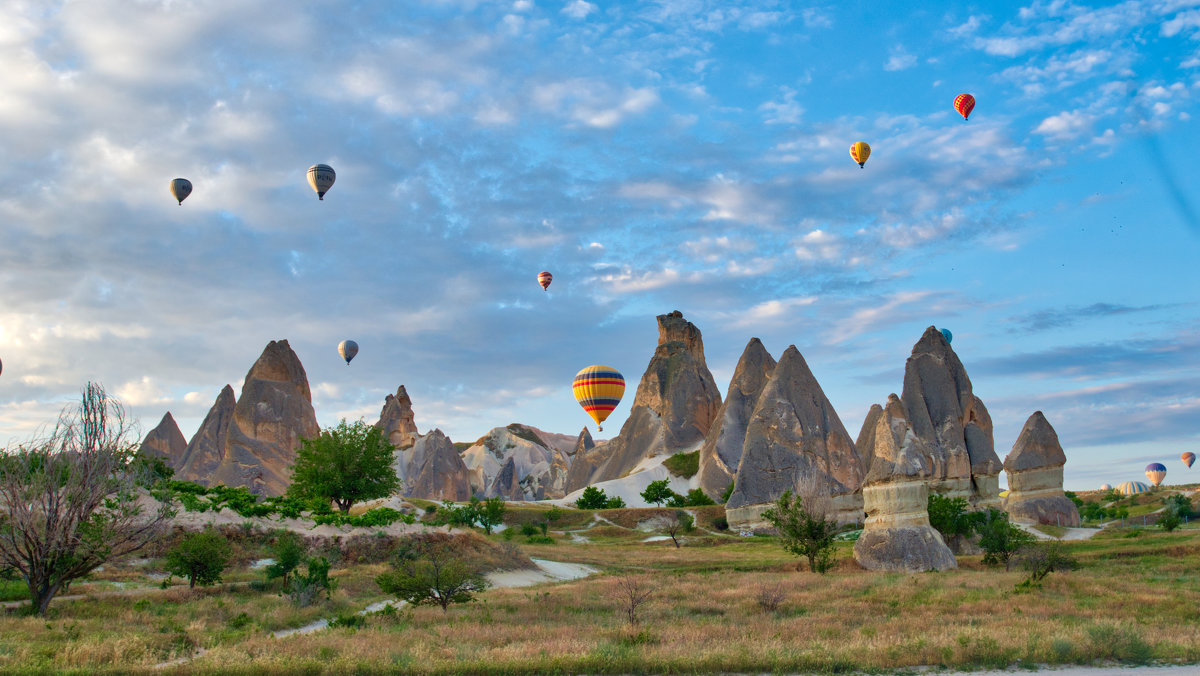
point(1133, 600)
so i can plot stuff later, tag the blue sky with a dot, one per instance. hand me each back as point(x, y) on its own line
point(654, 156)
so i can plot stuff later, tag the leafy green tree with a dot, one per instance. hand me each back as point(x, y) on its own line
point(949, 516)
point(305, 588)
point(345, 464)
point(681, 522)
point(491, 514)
point(289, 553)
point(615, 502)
point(200, 557)
point(659, 492)
point(1169, 521)
point(804, 529)
point(695, 498)
point(1000, 538)
point(1179, 504)
point(1040, 559)
point(592, 498)
point(432, 574)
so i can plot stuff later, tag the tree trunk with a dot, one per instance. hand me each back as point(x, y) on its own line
point(345, 507)
point(42, 596)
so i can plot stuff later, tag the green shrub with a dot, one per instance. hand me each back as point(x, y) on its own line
point(529, 529)
point(540, 540)
point(200, 557)
point(949, 516)
point(240, 621)
point(592, 498)
point(683, 464)
point(615, 502)
point(288, 553)
point(999, 538)
point(305, 589)
point(803, 533)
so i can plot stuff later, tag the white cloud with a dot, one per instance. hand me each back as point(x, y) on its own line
point(593, 102)
point(1065, 125)
point(784, 111)
point(818, 245)
point(579, 9)
point(900, 60)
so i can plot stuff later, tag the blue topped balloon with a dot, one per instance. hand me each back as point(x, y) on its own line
point(947, 335)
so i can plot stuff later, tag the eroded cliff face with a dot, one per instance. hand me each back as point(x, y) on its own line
point(1035, 477)
point(432, 469)
point(794, 433)
point(396, 420)
point(165, 441)
point(674, 407)
point(207, 448)
point(722, 450)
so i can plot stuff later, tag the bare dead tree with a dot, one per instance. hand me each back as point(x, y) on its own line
point(680, 522)
point(631, 592)
point(69, 501)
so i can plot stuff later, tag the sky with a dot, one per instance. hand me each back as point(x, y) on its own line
point(683, 155)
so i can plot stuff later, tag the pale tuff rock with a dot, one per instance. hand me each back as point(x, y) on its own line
point(272, 415)
point(539, 465)
point(204, 452)
point(396, 420)
point(722, 449)
point(165, 441)
point(897, 535)
point(1035, 477)
point(945, 413)
point(432, 469)
point(506, 485)
point(794, 433)
point(675, 404)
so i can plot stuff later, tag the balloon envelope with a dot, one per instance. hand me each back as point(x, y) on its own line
point(544, 278)
point(860, 152)
point(964, 104)
point(1155, 472)
point(1188, 458)
point(598, 390)
point(321, 178)
point(1106, 487)
point(947, 335)
point(1133, 488)
point(180, 189)
point(347, 348)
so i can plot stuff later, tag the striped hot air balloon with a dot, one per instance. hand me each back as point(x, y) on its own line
point(321, 178)
point(1133, 488)
point(598, 390)
point(964, 104)
point(544, 278)
point(1188, 458)
point(1156, 472)
point(860, 152)
point(347, 348)
point(180, 189)
point(1106, 487)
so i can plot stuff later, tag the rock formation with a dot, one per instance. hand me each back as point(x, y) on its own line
point(794, 433)
point(165, 441)
point(207, 447)
point(272, 414)
point(1035, 477)
point(722, 449)
point(897, 535)
point(432, 469)
point(675, 404)
point(396, 419)
point(539, 465)
point(944, 412)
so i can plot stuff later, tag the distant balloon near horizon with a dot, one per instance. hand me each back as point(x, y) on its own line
point(947, 335)
point(860, 152)
point(180, 189)
point(964, 104)
point(598, 390)
point(321, 178)
point(1, 367)
point(1188, 458)
point(1106, 487)
point(347, 348)
point(1156, 472)
point(1133, 488)
point(544, 278)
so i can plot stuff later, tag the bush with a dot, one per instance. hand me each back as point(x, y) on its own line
point(305, 589)
point(802, 531)
point(615, 502)
point(288, 553)
point(999, 538)
point(529, 529)
point(1169, 521)
point(433, 573)
point(659, 492)
point(200, 557)
point(949, 516)
point(728, 492)
point(540, 540)
point(1179, 504)
point(592, 498)
point(1042, 558)
point(683, 464)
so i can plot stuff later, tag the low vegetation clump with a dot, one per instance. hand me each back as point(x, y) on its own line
point(660, 493)
point(200, 557)
point(804, 529)
point(683, 464)
point(594, 498)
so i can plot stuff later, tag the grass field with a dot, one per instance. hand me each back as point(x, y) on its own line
point(1134, 599)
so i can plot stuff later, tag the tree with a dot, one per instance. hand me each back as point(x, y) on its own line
point(70, 500)
point(1000, 538)
point(491, 513)
point(289, 553)
point(305, 589)
point(1179, 504)
point(659, 492)
point(592, 498)
point(344, 464)
point(681, 522)
point(631, 592)
point(803, 527)
point(432, 573)
point(1042, 558)
point(949, 516)
point(1169, 521)
point(200, 557)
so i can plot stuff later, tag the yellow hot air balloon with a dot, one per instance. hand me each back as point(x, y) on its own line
point(347, 348)
point(544, 278)
point(180, 189)
point(860, 152)
point(321, 178)
point(598, 390)
point(1156, 472)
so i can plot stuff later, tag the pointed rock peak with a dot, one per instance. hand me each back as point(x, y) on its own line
point(1037, 447)
point(225, 395)
point(279, 363)
point(166, 441)
point(896, 454)
point(673, 328)
point(400, 397)
point(932, 342)
point(792, 363)
point(396, 419)
point(585, 442)
point(756, 354)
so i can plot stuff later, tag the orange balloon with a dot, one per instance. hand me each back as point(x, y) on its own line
point(860, 152)
point(964, 104)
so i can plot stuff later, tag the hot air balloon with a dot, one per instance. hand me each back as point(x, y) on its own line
point(1155, 472)
point(1, 367)
point(1133, 488)
point(598, 390)
point(860, 152)
point(1106, 487)
point(347, 348)
point(947, 335)
point(1188, 458)
point(544, 278)
point(321, 178)
point(180, 189)
point(964, 104)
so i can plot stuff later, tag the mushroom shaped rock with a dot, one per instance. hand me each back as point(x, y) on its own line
point(1035, 477)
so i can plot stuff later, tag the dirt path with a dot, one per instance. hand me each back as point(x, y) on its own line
point(1171, 670)
point(1068, 534)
